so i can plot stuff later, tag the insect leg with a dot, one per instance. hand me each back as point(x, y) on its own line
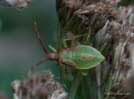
point(59, 60)
point(41, 43)
point(64, 43)
point(72, 39)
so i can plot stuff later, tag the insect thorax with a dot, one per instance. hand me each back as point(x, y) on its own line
point(53, 55)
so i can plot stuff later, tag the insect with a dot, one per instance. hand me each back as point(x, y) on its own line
point(79, 57)
point(15, 3)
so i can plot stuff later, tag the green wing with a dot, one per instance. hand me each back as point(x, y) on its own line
point(84, 57)
point(97, 58)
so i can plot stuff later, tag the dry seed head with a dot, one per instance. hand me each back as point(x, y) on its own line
point(15, 85)
point(73, 3)
point(113, 28)
point(58, 94)
point(17, 3)
point(96, 15)
point(39, 86)
point(113, 1)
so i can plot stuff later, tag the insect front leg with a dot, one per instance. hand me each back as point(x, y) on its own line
point(73, 40)
point(64, 43)
point(69, 42)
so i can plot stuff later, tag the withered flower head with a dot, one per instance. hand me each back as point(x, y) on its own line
point(113, 1)
point(15, 3)
point(39, 86)
point(96, 15)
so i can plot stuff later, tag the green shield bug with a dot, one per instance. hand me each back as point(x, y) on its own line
point(79, 57)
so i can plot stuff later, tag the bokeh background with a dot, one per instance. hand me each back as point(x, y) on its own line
point(19, 47)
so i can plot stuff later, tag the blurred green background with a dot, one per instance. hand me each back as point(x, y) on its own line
point(126, 2)
point(19, 47)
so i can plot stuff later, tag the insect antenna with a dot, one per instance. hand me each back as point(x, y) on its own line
point(37, 64)
point(38, 36)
